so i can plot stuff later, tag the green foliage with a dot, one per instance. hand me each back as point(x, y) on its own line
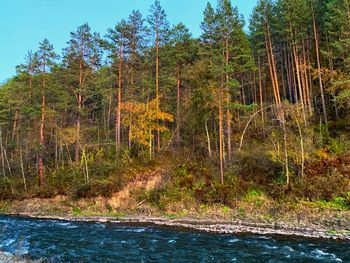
point(226, 209)
point(194, 181)
point(341, 202)
point(99, 187)
point(252, 195)
point(171, 216)
point(180, 214)
point(338, 203)
point(156, 197)
point(339, 145)
point(4, 207)
point(76, 211)
point(236, 106)
point(323, 134)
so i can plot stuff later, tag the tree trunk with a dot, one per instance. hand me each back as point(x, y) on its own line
point(307, 86)
point(284, 88)
point(14, 127)
point(78, 120)
point(108, 124)
point(178, 126)
point(208, 138)
point(244, 101)
point(22, 167)
point(157, 88)
point(221, 153)
point(42, 137)
point(295, 89)
point(286, 164)
point(273, 72)
point(319, 68)
point(228, 112)
point(297, 69)
point(119, 98)
point(2, 154)
point(277, 91)
point(261, 93)
point(30, 83)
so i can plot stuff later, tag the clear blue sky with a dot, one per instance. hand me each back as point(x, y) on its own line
point(25, 23)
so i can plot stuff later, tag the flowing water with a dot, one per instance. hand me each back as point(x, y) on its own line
point(60, 241)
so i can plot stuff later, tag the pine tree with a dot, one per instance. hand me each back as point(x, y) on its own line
point(318, 59)
point(29, 68)
point(180, 39)
point(82, 57)
point(46, 60)
point(211, 38)
point(135, 45)
point(159, 27)
point(117, 37)
point(337, 23)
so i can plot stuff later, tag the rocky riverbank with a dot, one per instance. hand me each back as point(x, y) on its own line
point(310, 222)
point(6, 257)
point(218, 226)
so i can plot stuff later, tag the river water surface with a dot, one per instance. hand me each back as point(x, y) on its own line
point(60, 241)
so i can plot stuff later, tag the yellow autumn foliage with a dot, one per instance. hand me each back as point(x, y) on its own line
point(143, 119)
point(68, 135)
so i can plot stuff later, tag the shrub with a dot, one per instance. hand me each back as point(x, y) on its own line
point(98, 187)
point(257, 167)
point(324, 179)
point(76, 211)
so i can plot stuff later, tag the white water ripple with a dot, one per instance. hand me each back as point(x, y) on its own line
point(320, 254)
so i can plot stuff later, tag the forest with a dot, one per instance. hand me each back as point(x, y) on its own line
point(256, 111)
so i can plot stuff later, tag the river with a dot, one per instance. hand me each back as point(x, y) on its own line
point(63, 241)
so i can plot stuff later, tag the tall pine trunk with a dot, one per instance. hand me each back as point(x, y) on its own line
point(42, 136)
point(78, 120)
point(228, 113)
point(157, 88)
point(324, 109)
point(178, 118)
point(14, 127)
point(221, 146)
point(307, 86)
point(119, 98)
point(261, 92)
point(297, 70)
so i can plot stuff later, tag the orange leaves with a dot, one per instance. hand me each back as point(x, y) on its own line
point(142, 119)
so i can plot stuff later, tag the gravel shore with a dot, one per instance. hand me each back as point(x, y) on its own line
point(216, 226)
point(6, 257)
